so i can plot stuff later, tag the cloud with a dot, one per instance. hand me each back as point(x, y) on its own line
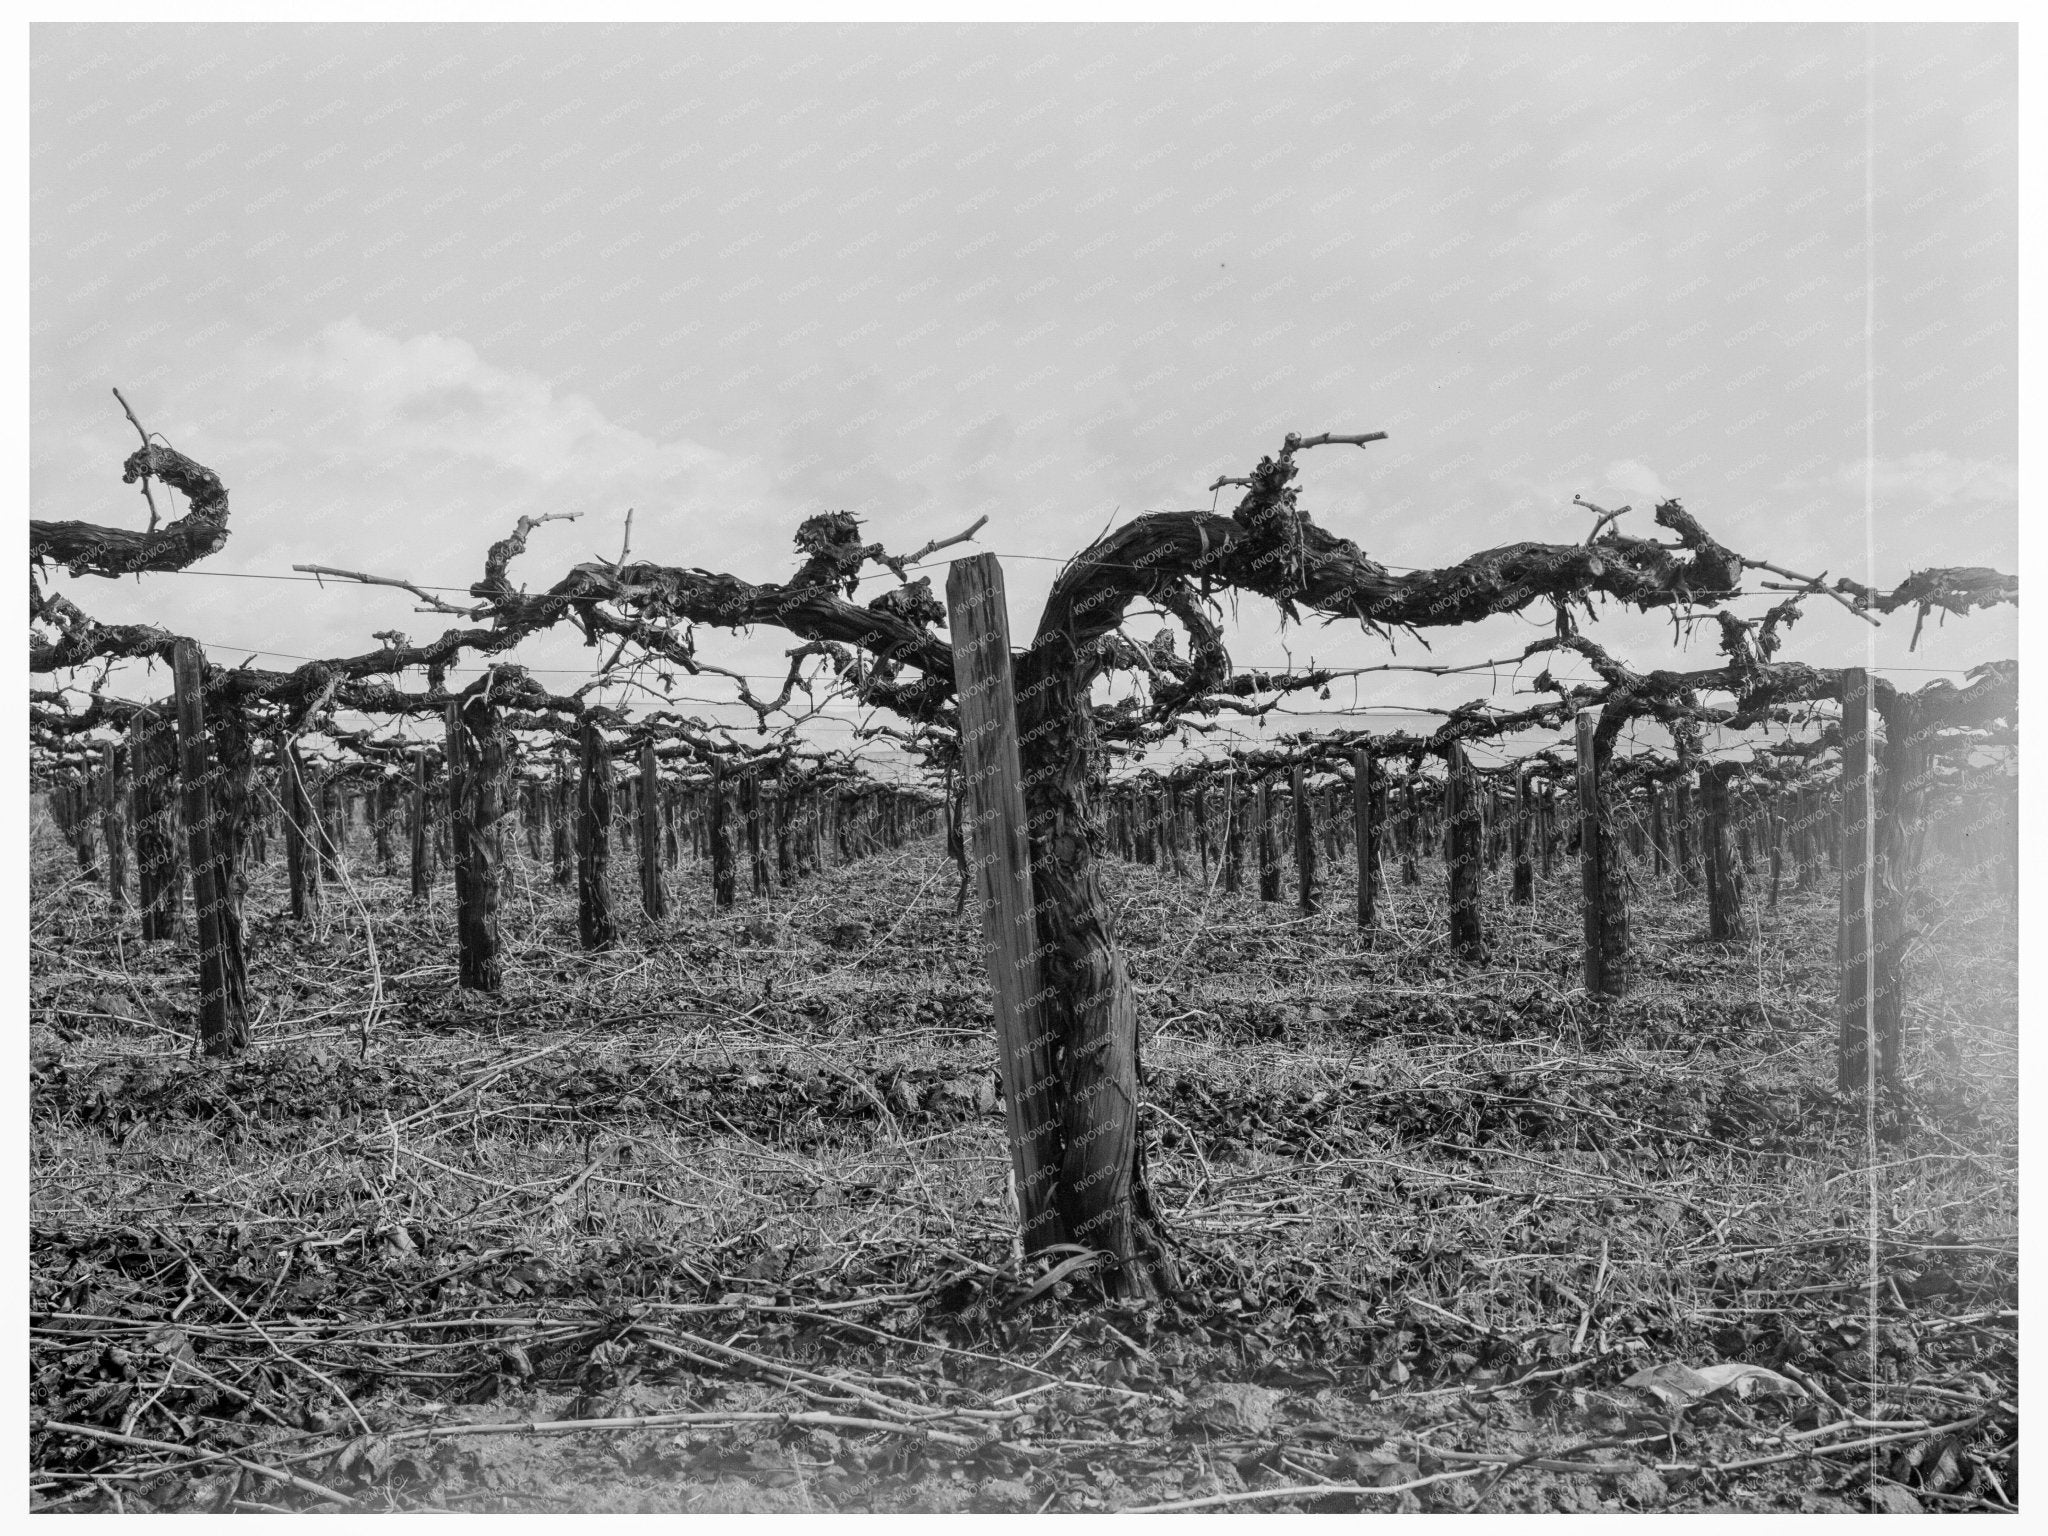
point(1936, 478)
point(1637, 479)
point(436, 396)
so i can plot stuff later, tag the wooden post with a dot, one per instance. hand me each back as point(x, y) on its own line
point(1366, 821)
point(112, 780)
point(993, 785)
point(1855, 949)
point(1462, 854)
point(653, 903)
point(593, 843)
point(1202, 826)
point(1601, 887)
point(1304, 842)
point(223, 1026)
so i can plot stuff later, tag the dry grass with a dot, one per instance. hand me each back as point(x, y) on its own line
point(1442, 1210)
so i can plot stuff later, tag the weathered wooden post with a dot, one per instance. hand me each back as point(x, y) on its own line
point(993, 785)
point(1855, 949)
point(593, 843)
point(1462, 854)
point(113, 779)
point(1600, 871)
point(223, 1026)
point(1366, 821)
point(653, 902)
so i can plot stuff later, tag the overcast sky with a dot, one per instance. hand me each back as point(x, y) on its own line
point(398, 285)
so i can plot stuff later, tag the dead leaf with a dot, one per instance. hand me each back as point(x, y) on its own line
point(1237, 1406)
point(1890, 1499)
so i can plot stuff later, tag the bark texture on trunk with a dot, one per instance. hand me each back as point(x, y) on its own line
point(1462, 856)
point(594, 923)
point(1090, 1009)
point(159, 869)
point(479, 832)
point(1723, 870)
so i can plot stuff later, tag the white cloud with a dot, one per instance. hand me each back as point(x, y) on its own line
point(1937, 478)
point(1637, 479)
point(436, 395)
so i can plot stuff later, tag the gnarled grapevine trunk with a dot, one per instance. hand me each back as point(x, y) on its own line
point(1603, 886)
point(479, 849)
point(562, 817)
point(594, 923)
point(1462, 854)
point(422, 849)
point(113, 782)
point(301, 835)
point(1723, 871)
point(724, 882)
point(1269, 853)
point(653, 899)
point(1090, 1009)
point(1367, 813)
point(1523, 891)
point(159, 867)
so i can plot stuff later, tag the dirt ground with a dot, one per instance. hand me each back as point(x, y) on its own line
point(719, 1220)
